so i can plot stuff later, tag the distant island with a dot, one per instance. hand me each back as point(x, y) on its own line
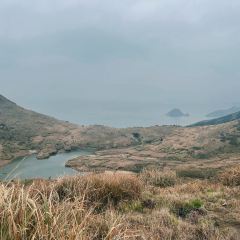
point(223, 112)
point(177, 113)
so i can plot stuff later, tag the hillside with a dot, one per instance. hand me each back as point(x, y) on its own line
point(224, 119)
point(152, 205)
point(184, 182)
point(23, 132)
point(202, 147)
point(223, 112)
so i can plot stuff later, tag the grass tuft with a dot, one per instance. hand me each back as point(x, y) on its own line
point(119, 206)
point(230, 177)
point(157, 178)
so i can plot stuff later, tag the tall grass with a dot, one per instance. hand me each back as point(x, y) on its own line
point(158, 178)
point(91, 208)
point(230, 177)
point(64, 209)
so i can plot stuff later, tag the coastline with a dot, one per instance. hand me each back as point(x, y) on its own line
point(4, 163)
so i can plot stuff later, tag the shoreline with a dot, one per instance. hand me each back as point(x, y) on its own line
point(3, 163)
point(53, 167)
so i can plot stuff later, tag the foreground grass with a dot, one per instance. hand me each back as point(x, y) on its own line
point(151, 205)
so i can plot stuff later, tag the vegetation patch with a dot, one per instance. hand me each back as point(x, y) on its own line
point(116, 206)
point(197, 173)
point(182, 209)
point(158, 178)
point(100, 188)
point(230, 177)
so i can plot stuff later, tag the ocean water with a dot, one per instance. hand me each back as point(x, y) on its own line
point(123, 114)
point(30, 167)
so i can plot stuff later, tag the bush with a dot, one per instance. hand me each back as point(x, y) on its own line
point(100, 189)
point(230, 177)
point(66, 209)
point(183, 208)
point(159, 178)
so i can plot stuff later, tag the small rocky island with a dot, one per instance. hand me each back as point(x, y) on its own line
point(177, 113)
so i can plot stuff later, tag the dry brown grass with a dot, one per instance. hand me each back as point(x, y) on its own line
point(118, 206)
point(102, 189)
point(158, 178)
point(231, 177)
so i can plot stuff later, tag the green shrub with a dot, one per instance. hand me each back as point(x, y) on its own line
point(133, 206)
point(182, 209)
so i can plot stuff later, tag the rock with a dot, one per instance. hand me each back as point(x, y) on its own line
point(177, 113)
point(43, 155)
point(67, 148)
point(47, 152)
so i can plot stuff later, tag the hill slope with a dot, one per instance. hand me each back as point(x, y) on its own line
point(205, 146)
point(225, 119)
point(23, 132)
point(223, 112)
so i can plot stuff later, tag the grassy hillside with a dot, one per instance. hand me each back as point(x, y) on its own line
point(153, 205)
point(210, 146)
point(23, 131)
point(221, 120)
point(185, 187)
point(223, 112)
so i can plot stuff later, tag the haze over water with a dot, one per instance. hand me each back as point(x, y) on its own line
point(123, 114)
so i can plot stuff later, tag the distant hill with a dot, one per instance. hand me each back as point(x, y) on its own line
point(223, 112)
point(225, 119)
point(176, 113)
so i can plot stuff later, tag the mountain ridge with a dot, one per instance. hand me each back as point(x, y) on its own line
point(216, 121)
point(223, 112)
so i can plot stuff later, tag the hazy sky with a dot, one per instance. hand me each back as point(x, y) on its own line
point(175, 52)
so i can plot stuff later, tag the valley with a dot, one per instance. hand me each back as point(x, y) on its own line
point(24, 132)
point(160, 182)
point(210, 146)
